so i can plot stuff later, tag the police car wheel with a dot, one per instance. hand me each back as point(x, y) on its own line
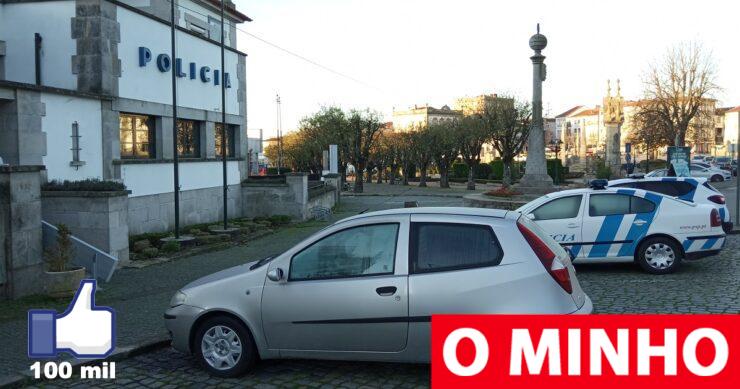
point(659, 256)
point(717, 178)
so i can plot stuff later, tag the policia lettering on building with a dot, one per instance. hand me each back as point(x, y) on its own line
point(164, 64)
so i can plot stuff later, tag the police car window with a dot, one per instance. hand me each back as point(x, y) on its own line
point(562, 208)
point(617, 204)
point(609, 204)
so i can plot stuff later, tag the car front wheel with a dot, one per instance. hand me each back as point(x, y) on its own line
point(659, 256)
point(717, 178)
point(224, 347)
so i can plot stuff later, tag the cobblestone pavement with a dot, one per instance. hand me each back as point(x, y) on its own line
point(709, 285)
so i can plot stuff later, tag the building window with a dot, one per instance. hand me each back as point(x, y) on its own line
point(229, 140)
point(137, 136)
point(188, 139)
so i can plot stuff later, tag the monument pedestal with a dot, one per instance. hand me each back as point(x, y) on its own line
point(537, 184)
point(613, 158)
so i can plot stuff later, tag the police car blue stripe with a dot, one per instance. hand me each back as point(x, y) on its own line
point(709, 244)
point(575, 249)
point(686, 244)
point(607, 233)
point(722, 213)
point(637, 232)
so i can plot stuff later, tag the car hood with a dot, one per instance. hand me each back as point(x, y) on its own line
point(236, 271)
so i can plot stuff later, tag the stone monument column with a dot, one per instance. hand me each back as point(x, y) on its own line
point(613, 119)
point(535, 178)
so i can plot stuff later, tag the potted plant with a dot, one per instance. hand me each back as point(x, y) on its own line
point(62, 280)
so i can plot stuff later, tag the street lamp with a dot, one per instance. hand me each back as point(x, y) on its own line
point(555, 146)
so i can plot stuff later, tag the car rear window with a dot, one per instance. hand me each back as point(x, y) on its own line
point(452, 246)
point(710, 187)
point(668, 188)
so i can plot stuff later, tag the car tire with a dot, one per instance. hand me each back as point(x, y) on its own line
point(659, 255)
point(716, 178)
point(224, 347)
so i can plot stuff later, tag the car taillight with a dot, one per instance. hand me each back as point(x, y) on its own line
point(714, 219)
point(554, 267)
point(717, 199)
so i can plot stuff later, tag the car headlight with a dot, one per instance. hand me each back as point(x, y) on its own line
point(178, 299)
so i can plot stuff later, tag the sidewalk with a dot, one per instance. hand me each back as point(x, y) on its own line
point(140, 296)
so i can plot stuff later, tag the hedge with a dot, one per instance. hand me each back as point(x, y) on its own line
point(274, 170)
point(88, 185)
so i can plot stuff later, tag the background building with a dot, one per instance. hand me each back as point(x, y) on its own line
point(98, 102)
point(424, 115)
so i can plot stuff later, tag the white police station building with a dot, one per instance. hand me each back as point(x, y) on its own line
point(85, 90)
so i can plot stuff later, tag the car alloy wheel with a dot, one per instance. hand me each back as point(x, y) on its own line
point(659, 255)
point(224, 346)
point(221, 347)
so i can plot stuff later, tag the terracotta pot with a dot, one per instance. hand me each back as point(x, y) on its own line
point(63, 283)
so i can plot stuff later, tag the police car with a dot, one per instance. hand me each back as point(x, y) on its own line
point(693, 189)
point(601, 224)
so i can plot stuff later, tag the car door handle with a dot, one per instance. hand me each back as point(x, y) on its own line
point(639, 222)
point(386, 290)
point(572, 225)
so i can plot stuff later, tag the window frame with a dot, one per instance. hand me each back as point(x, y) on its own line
point(230, 140)
point(655, 206)
point(414, 247)
point(580, 206)
point(395, 255)
point(152, 136)
point(197, 152)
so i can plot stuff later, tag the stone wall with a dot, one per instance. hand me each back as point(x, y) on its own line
point(290, 197)
point(98, 218)
point(156, 213)
point(22, 141)
point(21, 257)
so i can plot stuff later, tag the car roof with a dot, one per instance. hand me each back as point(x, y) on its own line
point(699, 180)
point(459, 211)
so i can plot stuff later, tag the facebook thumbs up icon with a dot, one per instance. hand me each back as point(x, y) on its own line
point(83, 330)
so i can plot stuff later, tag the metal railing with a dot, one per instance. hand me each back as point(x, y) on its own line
point(99, 264)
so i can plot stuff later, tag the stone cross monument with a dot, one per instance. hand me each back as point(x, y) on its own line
point(535, 177)
point(613, 119)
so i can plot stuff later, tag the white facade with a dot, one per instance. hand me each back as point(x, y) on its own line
point(18, 33)
point(148, 83)
point(148, 179)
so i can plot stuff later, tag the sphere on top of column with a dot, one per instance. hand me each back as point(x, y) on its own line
point(538, 41)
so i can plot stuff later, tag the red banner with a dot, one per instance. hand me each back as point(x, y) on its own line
point(595, 351)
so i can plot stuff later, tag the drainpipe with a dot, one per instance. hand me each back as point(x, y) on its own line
point(37, 56)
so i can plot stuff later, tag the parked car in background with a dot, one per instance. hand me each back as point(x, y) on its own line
point(696, 190)
point(602, 224)
point(724, 163)
point(713, 174)
point(365, 288)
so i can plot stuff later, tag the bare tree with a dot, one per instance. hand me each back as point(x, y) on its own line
point(678, 87)
point(365, 127)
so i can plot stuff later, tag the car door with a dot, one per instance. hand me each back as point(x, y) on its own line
point(561, 218)
point(613, 223)
point(698, 171)
point(347, 290)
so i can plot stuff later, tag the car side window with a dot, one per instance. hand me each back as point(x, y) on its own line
point(618, 204)
point(354, 252)
point(562, 208)
point(448, 246)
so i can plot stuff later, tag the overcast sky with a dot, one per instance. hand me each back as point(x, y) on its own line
point(407, 52)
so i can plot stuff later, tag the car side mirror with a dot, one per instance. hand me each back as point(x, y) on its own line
point(530, 216)
point(275, 274)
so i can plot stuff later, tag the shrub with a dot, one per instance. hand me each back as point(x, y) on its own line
point(57, 260)
point(171, 246)
point(459, 170)
point(603, 171)
point(556, 166)
point(483, 171)
point(273, 170)
point(502, 192)
point(279, 220)
point(90, 184)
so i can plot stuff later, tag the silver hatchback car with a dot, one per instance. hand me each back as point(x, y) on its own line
point(365, 288)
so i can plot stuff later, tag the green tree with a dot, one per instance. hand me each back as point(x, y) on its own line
point(364, 129)
point(507, 121)
point(421, 148)
point(472, 134)
point(445, 149)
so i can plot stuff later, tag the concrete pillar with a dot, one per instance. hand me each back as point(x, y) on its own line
point(298, 184)
point(22, 141)
point(209, 136)
point(535, 175)
point(334, 180)
point(111, 127)
point(164, 137)
point(97, 33)
point(21, 254)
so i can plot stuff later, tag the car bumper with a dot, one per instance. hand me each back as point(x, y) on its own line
point(727, 227)
point(178, 321)
point(586, 309)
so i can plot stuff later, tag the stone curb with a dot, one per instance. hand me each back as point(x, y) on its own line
point(404, 194)
point(25, 378)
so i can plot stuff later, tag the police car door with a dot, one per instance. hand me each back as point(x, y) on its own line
point(561, 218)
point(614, 222)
